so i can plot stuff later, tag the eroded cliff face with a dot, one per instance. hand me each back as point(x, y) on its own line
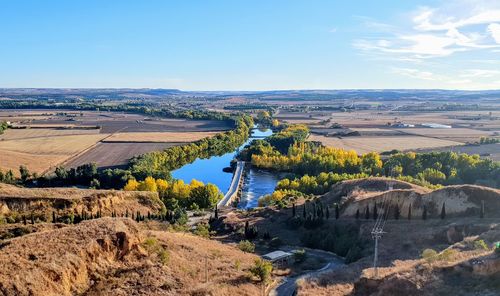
point(16, 201)
point(120, 257)
point(460, 200)
point(68, 260)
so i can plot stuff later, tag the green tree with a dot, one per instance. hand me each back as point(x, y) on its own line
point(25, 173)
point(262, 270)
point(205, 196)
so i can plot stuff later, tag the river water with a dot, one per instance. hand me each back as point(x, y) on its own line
point(209, 170)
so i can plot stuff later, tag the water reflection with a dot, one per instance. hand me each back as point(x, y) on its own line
point(210, 170)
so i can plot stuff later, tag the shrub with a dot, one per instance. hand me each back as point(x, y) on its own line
point(202, 230)
point(447, 255)
point(164, 256)
point(481, 245)
point(429, 255)
point(246, 246)
point(262, 270)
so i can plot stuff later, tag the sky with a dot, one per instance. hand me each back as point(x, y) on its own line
point(250, 45)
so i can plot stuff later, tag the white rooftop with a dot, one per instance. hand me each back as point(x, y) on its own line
point(276, 255)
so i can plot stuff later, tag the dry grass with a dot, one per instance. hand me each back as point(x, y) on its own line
point(454, 134)
point(40, 154)
point(19, 134)
point(380, 144)
point(159, 137)
point(91, 258)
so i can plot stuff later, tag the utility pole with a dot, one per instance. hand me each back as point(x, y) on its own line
point(206, 269)
point(376, 235)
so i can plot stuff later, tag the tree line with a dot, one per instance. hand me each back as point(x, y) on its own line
point(177, 194)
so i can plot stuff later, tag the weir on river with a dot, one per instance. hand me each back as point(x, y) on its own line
point(232, 193)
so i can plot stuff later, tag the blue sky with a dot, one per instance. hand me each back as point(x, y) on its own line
point(250, 45)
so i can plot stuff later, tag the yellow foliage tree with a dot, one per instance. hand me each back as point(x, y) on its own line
point(161, 185)
point(149, 184)
point(132, 185)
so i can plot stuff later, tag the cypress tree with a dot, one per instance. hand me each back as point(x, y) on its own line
point(424, 213)
point(32, 219)
point(481, 214)
point(126, 214)
point(409, 212)
point(246, 228)
point(293, 210)
point(327, 213)
point(216, 212)
point(54, 217)
point(367, 213)
point(443, 212)
point(149, 215)
point(314, 209)
point(337, 211)
point(396, 212)
point(375, 212)
point(24, 220)
point(133, 217)
point(304, 214)
point(357, 214)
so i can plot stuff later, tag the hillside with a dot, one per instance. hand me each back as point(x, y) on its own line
point(115, 256)
point(41, 202)
point(459, 200)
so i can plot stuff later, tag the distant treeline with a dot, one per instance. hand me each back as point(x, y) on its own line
point(146, 109)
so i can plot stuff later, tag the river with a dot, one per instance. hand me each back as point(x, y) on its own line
point(209, 170)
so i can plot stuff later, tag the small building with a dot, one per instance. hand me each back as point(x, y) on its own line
point(278, 258)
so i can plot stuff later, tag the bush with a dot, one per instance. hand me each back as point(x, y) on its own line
point(429, 255)
point(246, 246)
point(447, 255)
point(202, 230)
point(164, 256)
point(262, 270)
point(480, 245)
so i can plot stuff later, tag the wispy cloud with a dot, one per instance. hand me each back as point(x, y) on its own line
point(435, 32)
point(480, 73)
point(425, 44)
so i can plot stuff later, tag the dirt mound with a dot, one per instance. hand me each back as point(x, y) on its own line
point(114, 256)
point(460, 200)
point(17, 201)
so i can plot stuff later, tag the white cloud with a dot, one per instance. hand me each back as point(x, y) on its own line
point(418, 74)
point(429, 19)
point(437, 32)
point(481, 73)
point(494, 30)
